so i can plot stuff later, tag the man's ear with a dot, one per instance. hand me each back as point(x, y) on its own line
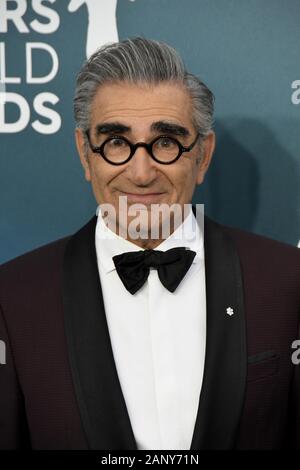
point(207, 150)
point(82, 151)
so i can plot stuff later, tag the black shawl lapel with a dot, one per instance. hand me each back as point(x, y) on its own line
point(102, 406)
point(224, 380)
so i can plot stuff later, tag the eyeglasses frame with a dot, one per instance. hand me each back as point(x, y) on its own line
point(133, 147)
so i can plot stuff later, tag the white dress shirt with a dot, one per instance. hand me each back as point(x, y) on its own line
point(158, 339)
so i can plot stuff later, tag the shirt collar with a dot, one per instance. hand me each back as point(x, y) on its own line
point(109, 244)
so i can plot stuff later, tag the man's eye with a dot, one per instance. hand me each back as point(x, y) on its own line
point(165, 142)
point(117, 142)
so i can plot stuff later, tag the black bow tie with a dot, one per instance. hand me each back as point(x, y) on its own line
point(172, 265)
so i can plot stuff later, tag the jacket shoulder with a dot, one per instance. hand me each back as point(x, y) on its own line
point(33, 270)
point(265, 257)
point(261, 243)
point(39, 271)
point(35, 257)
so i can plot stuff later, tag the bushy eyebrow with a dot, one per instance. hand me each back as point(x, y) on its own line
point(111, 128)
point(163, 127)
point(166, 127)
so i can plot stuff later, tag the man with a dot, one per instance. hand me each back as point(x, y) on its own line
point(115, 341)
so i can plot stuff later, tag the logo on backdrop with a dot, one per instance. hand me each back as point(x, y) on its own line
point(102, 28)
point(102, 22)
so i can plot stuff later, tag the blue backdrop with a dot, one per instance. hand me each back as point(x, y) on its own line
point(246, 51)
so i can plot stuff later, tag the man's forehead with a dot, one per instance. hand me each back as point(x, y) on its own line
point(152, 89)
point(165, 101)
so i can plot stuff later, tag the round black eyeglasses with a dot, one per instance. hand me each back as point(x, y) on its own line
point(118, 150)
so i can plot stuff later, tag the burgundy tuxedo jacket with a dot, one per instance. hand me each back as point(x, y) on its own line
point(59, 387)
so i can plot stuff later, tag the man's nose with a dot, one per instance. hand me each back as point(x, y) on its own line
point(141, 168)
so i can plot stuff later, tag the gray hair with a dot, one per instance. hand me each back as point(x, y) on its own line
point(136, 61)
